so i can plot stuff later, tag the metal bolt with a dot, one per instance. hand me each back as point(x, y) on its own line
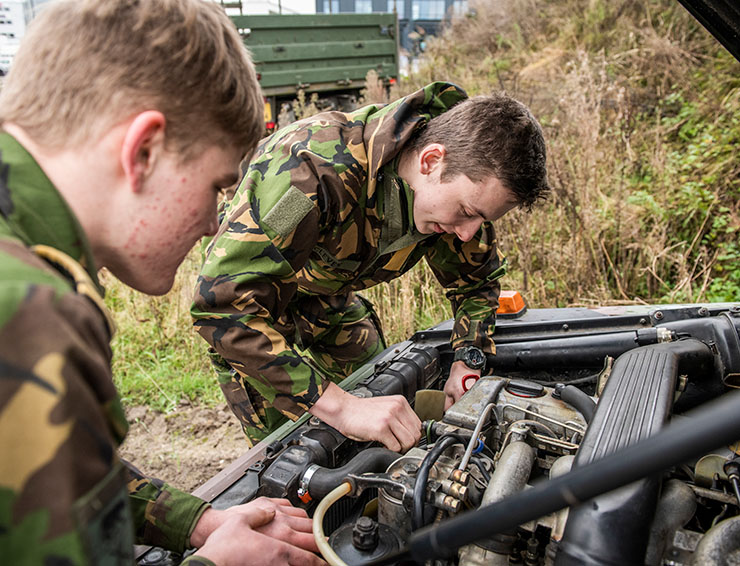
point(365, 534)
point(410, 468)
point(658, 315)
point(565, 327)
point(703, 311)
point(643, 321)
point(314, 421)
point(452, 504)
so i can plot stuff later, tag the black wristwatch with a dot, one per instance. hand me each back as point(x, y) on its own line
point(472, 356)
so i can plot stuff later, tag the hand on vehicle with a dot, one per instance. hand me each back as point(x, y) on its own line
point(454, 387)
point(387, 419)
point(265, 532)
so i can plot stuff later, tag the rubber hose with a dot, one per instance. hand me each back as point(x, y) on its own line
point(318, 523)
point(579, 400)
point(720, 545)
point(417, 512)
point(371, 460)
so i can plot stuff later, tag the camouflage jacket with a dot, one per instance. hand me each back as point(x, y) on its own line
point(321, 210)
point(65, 497)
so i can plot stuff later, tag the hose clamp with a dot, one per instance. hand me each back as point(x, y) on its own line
point(303, 494)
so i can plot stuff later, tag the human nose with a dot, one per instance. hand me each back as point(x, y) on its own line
point(468, 230)
point(212, 226)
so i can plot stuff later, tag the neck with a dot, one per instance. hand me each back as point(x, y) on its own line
point(77, 173)
point(406, 169)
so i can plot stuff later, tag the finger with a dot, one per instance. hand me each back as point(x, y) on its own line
point(300, 557)
point(258, 516)
point(389, 440)
point(277, 501)
point(405, 437)
point(411, 425)
point(292, 511)
point(303, 524)
point(306, 541)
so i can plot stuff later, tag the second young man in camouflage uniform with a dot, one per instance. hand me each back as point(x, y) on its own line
point(340, 202)
point(120, 121)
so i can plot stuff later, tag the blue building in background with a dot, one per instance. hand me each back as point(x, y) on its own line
point(416, 18)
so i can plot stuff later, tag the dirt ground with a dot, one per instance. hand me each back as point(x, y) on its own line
point(184, 448)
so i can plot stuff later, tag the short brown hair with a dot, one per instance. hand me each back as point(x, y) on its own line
point(491, 135)
point(86, 65)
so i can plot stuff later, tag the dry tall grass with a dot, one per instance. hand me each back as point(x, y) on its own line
point(640, 109)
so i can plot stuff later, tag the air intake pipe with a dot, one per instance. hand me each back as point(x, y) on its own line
point(613, 529)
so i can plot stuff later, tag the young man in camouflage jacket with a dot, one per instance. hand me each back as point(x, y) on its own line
point(104, 164)
point(340, 202)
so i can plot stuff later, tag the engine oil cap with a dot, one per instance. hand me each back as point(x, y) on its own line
point(522, 388)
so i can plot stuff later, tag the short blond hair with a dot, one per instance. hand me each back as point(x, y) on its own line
point(86, 65)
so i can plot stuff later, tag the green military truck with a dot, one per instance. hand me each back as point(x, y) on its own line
point(326, 54)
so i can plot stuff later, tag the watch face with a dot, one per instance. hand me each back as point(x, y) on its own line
point(475, 356)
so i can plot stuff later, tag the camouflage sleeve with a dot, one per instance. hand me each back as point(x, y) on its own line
point(163, 516)
point(249, 276)
point(197, 561)
point(470, 270)
point(62, 488)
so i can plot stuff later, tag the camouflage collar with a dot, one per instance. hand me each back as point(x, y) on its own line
point(38, 214)
point(388, 128)
point(398, 230)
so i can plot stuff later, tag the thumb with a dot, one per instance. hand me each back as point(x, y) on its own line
point(259, 516)
point(449, 401)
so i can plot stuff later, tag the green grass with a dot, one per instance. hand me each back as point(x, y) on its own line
point(158, 359)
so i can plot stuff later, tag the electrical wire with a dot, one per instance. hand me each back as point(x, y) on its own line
point(577, 381)
point(478, 464)
point(736, 489)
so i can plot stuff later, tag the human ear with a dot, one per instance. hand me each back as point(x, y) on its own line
point(431, 158)
point(142, 143)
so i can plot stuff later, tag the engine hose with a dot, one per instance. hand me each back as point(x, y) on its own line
point(578, 400)
point(376, 459)
point(417, 511)
point(714, 424)
point(326, 550)
point(719, 545)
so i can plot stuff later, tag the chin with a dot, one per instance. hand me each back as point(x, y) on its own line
point(151, 284)
point(159, 287)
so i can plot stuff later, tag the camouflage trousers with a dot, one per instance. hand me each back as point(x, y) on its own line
point(337, 333)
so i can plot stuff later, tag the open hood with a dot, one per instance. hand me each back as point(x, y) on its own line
point(721, 18)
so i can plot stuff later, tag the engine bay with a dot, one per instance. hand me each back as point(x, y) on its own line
point(566, 387)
